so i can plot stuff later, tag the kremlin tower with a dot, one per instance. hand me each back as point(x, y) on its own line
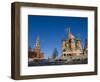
point(36, 54)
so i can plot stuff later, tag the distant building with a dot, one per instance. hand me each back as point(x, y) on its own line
point(36, 54)
point(86, 47)
point(72, 48)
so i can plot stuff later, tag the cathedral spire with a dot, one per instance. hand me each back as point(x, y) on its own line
point(67, 30)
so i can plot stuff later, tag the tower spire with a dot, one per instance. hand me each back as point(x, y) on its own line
point(67, 30)
point(37, 44)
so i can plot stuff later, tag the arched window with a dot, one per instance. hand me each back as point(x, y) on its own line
point(64, 54)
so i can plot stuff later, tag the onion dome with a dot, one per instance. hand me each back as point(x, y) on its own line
point(70, 36)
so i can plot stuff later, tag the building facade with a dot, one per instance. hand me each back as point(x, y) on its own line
point(36, 53)
point(72, 48)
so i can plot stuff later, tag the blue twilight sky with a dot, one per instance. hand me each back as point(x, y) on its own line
point(52, 30)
